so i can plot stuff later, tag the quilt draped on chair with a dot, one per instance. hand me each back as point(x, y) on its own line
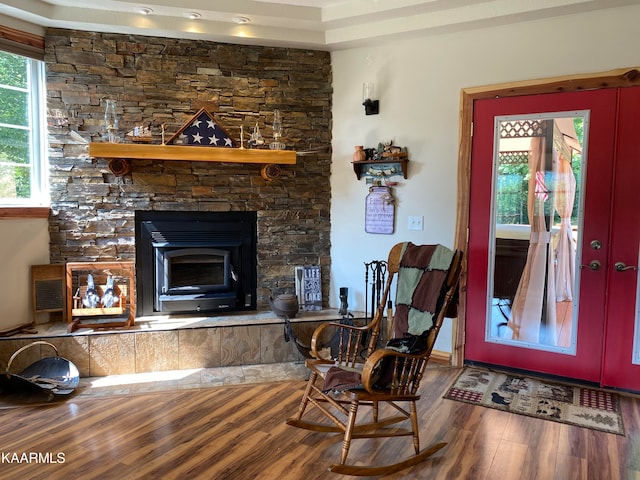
point(419, 290)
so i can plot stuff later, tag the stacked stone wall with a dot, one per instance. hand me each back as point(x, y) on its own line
point(164, 82)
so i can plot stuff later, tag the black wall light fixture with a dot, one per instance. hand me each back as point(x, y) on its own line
point(371, 106)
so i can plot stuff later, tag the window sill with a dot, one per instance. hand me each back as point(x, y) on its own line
point(24, 212)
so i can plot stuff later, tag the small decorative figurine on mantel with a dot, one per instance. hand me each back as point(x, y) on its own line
point(256, 139)
point(140, 134)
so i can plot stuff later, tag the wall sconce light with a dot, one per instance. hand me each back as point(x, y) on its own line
point(371, 106)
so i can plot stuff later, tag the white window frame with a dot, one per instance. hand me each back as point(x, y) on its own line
point(38, 162)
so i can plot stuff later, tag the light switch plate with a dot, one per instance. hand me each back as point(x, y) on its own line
point(416, 222)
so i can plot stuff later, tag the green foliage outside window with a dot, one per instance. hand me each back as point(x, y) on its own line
point(15, 155)
point(511, 195)
point(512, 186)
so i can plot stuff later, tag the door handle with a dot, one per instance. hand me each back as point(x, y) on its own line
point(621, 267)
point(593, 265)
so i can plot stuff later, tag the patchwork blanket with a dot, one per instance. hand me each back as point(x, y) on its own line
point(419, 292)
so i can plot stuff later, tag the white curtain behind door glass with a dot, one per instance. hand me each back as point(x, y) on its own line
point(565, 192)
point(531, 303)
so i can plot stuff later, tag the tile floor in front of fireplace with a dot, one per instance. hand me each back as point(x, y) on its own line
point(189, 379)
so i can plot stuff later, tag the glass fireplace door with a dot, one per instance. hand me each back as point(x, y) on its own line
point(195, 270)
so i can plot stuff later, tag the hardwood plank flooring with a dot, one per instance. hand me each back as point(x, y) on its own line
point(239, 432)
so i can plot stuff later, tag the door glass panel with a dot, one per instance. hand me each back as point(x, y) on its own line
point(536, 211)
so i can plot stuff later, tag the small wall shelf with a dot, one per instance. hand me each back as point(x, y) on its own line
point(121, 153)
point(401, 164)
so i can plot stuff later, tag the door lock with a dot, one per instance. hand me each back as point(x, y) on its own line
point(593, 265)
point(596, 244)
point(621, 267)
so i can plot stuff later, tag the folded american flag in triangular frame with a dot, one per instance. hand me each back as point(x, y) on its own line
point(202, 130)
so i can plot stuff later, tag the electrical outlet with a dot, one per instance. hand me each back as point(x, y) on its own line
point(415, 222)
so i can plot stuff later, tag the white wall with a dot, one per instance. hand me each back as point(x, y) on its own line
point(418, 82)
point(23, 242)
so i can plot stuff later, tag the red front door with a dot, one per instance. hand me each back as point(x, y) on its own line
point(621, 362)
point(552, 212)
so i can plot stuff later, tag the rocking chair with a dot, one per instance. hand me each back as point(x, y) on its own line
point(427, 278)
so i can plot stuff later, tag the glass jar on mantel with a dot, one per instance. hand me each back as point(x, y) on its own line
point(110, 125)
point(359, 155)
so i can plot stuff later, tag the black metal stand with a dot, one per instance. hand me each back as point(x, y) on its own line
point(378, 274)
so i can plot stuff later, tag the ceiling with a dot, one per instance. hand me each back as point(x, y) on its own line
point(315, 24)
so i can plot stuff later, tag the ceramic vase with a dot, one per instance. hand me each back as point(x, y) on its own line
point(359, 155)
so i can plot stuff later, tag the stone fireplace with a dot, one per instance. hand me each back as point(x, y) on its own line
point(164, 82)
point(189, 262)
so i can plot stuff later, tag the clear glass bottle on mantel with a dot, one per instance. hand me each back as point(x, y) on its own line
point(110, 126)
point(277, 132)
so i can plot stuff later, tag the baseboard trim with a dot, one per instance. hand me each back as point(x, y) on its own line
point(438, 356)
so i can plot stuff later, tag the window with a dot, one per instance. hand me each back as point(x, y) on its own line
point(23, 156)
point(513, 175)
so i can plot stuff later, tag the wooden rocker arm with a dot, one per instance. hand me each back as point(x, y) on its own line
point(350, 331)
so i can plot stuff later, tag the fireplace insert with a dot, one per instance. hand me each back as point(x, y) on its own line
point(190, 262)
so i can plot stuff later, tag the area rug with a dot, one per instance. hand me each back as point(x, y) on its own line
point(574, 405)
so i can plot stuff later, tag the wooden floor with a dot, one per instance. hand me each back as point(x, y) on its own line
point(239, 432)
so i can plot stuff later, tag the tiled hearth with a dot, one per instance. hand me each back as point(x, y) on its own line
point(168, 343)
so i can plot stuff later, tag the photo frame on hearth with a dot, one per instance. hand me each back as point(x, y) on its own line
point(309, 287)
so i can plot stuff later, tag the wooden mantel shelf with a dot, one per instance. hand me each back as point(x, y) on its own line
point(187, 152)
point(128, 151)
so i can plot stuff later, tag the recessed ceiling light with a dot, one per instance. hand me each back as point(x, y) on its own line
point(145, 10)
point(241, 20)
point(194, 15)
